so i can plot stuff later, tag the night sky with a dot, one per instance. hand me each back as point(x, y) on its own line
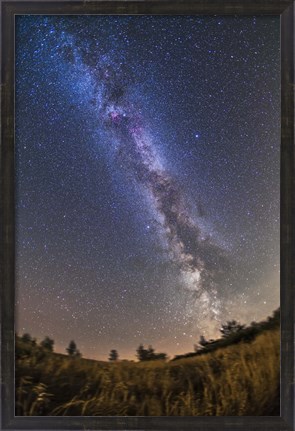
point(147, 178)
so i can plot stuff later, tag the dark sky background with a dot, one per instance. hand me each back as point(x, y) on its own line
point(147, 178)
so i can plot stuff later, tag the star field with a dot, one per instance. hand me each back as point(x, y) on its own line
point(147, 178)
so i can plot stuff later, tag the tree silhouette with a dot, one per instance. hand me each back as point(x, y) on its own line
point(160, 356)
point(231, 327)
point(141, 353)
point(114, 356)
point(149, 354)
point(72, 349)
point(47, 344)
point(203, 342)
point(275, 319)
point(26, 338)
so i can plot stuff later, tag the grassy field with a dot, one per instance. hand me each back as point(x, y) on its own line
point(241, 379)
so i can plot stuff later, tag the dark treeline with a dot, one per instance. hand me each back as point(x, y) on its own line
point(149, 354)
point(231, 333)
point(26, 343)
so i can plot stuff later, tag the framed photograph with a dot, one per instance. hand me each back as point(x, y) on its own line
point(147, 180)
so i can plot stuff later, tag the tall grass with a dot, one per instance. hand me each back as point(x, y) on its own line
point(241, 379)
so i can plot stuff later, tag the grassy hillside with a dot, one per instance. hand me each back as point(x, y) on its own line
point(241, 379)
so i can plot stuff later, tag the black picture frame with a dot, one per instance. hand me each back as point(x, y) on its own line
point(282, 8)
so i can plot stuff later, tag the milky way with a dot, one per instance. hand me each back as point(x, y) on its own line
point(199, 260)
point(187, 248)
point(153, 168)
